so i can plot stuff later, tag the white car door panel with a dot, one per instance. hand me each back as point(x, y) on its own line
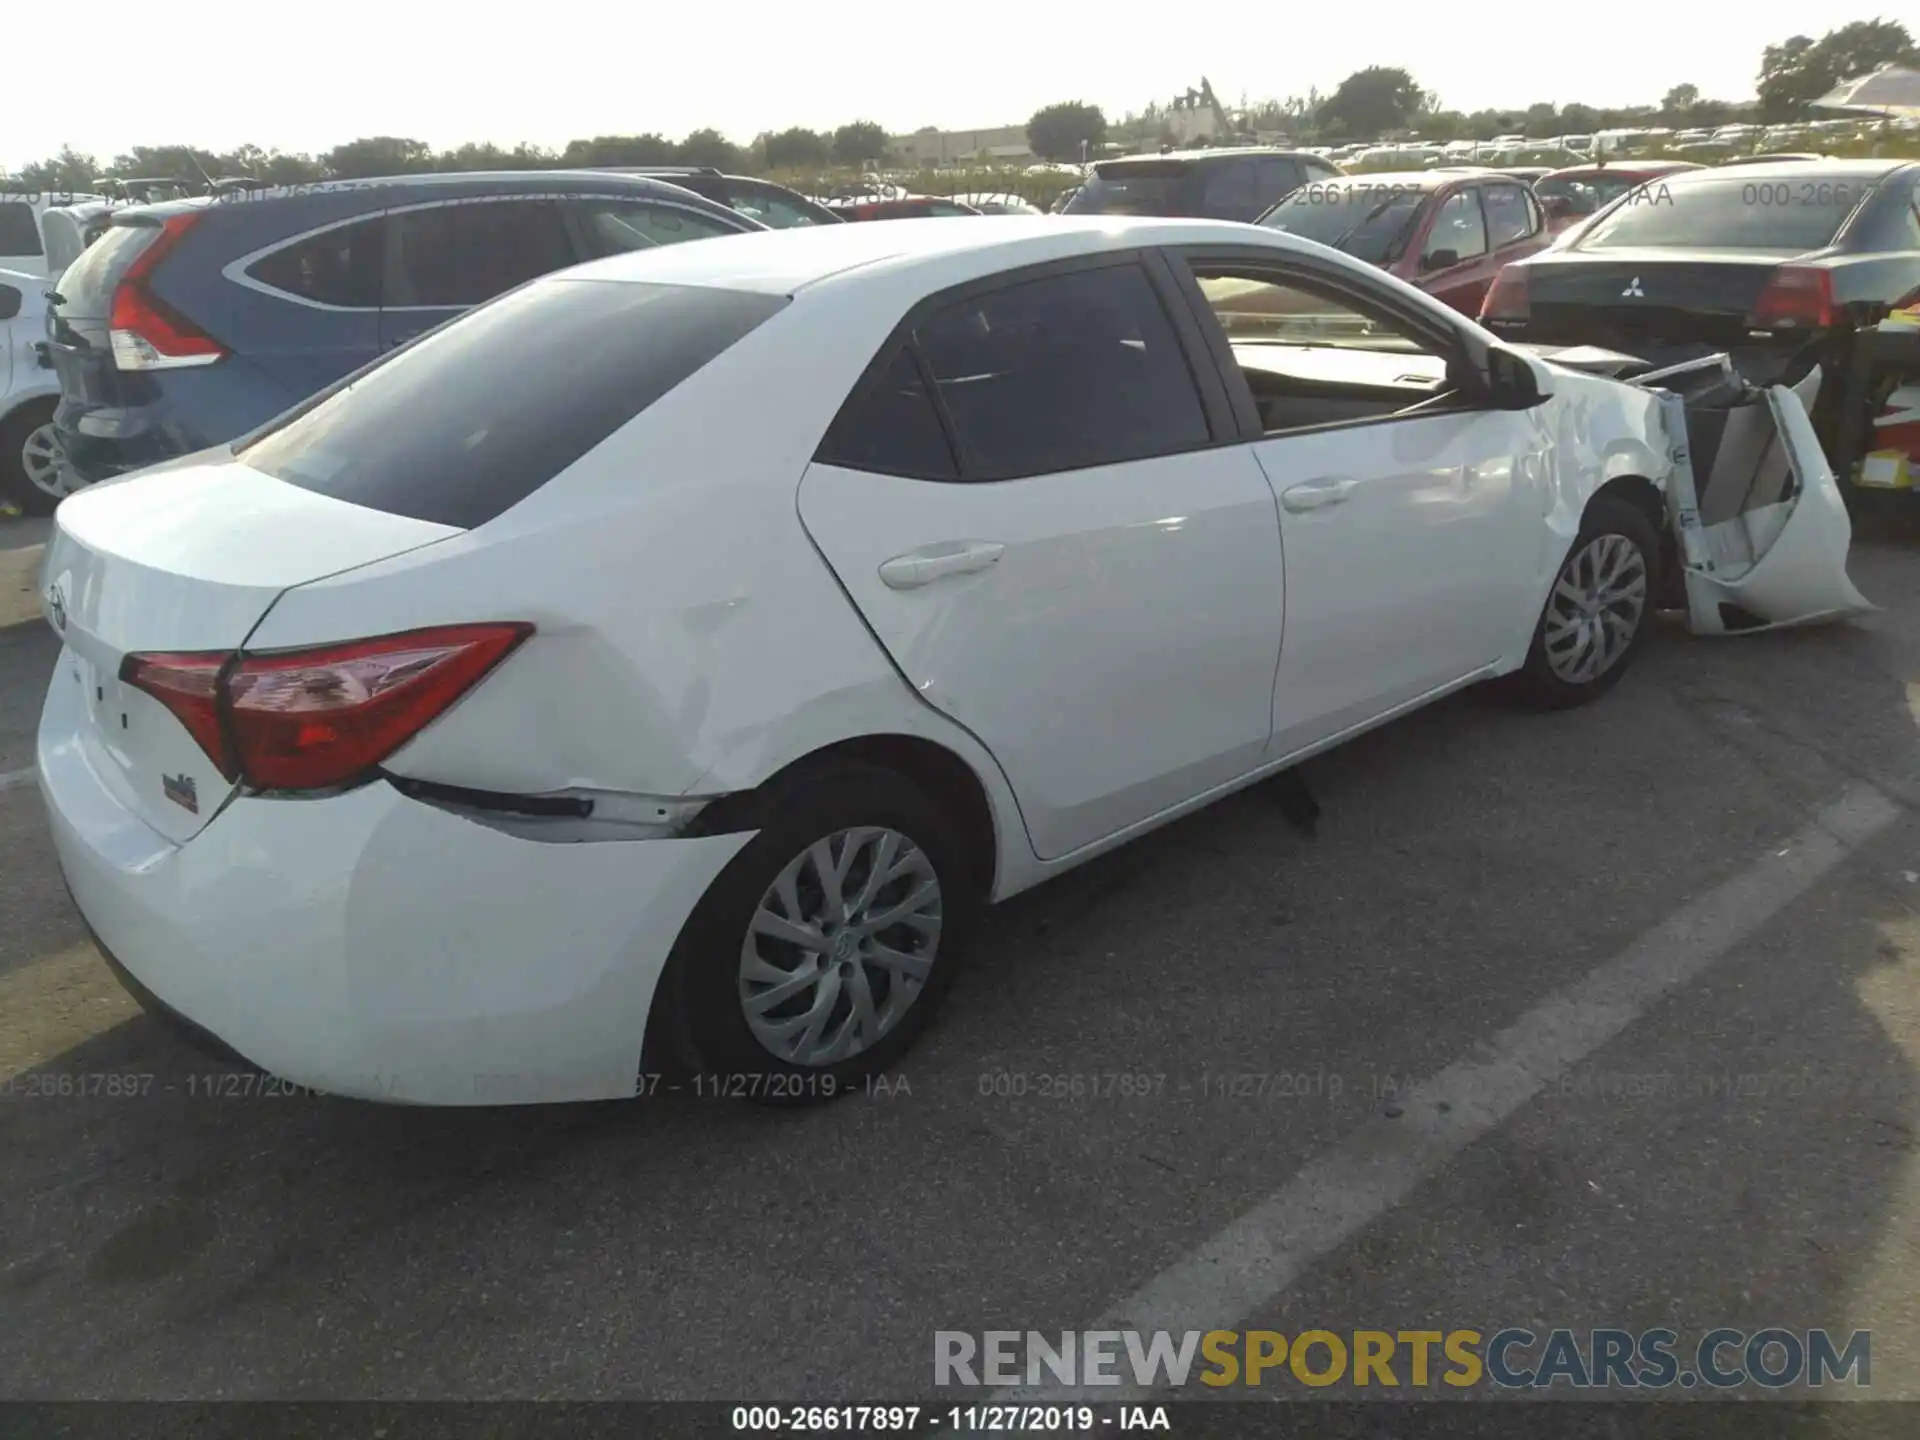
point(1110, 633)
point(1409, 546)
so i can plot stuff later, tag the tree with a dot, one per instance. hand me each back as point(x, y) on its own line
point(1580, 119)
point(1057, 132)
point(1679, 102)
point(378, 155)
point(69, 170)
point(708, 147)
point(1541, 119)
point(1798, 71)
point(797, 149)
point(858, 142)
point(1370, 102)
point(611, 150)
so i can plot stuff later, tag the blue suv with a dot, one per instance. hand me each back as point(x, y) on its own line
point(193, 322)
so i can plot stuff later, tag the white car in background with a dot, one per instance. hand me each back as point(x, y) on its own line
point(29, 390)
point(683, 648)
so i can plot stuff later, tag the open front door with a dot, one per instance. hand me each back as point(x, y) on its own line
point(1763, 530)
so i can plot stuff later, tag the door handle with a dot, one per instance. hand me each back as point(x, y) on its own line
point(1316, 493)
point(933, 562)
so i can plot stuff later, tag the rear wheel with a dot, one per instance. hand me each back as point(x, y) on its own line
point(824, 948)
point(1595, 617)
point(33, 474)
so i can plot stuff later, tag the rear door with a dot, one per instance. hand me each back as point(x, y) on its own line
point(1054, 549)
point(323, 316)
point(444, 258)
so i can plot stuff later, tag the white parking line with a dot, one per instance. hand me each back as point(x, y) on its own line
point(1245, 1267)
point(9, 779)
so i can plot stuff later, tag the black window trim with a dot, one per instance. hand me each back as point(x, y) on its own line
point(1223, 425)
point(1456, 346)
point(1486, 219)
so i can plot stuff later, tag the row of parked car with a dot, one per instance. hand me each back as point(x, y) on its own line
point(163, 328)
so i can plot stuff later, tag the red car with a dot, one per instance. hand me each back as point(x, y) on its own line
point(904, 207)
point(1581, 190)
point(1446, 231)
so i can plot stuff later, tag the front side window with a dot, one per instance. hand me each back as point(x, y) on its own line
point(1459, 229)
point(1063, 373)
point(466, 253)
point(339, 267)
point(1266, 307)
point(19, 235)
point(616, 226)
point(1509, 214)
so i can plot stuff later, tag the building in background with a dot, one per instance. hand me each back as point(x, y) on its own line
point(1198, 116)
point(1005, 144)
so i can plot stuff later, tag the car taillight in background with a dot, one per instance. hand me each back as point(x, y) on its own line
point(1507, 296)
point(1798, 297)
point(147, 333)
point(313, 719)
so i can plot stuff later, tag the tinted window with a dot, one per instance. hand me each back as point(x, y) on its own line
point(1233, 191)
point(1370, 221)
point(486, 410)
point(1057, 374)
point(1726, 212)
point(1278, 176)
point(1145, 188)
point(614, 227)
point(465, 253)
point(340, 266)
point(1509, 214)
point(890, 425)
point(1459, 226)
point(86, 289)
point(773, 209)
point(19, 234)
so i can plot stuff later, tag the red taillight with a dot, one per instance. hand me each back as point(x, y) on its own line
point(1507, 296)
point(146, 332)
point(313, 719)
point(1797, 297)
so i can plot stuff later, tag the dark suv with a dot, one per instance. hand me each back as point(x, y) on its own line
point(192, 322)
point(1241, 184)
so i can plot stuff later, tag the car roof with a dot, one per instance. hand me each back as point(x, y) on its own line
point(1798, 169)
point(781, 262)
point(1622, 167)
point(1224, 152)
point(501, 181)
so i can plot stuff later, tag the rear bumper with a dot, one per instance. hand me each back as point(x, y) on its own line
point(372, 946)
point(95, 458)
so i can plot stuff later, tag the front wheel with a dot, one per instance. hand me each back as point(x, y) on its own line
point(1595, 617)
point(823, 949)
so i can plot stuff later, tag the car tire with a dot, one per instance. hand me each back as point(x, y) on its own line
point(866, 816)
point(25, 424)
point(1610, 578)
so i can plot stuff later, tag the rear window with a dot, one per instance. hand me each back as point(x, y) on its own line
point(1731, 212)
point(18, 233)
point(472, 420)
point(86, 289)
point(1142, 189)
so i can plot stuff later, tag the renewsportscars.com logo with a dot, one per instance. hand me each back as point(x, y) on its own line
point(1512, 1359)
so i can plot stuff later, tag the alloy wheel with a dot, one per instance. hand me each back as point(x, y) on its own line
point(44, 466)
point(1595, 609)
point(840, 946)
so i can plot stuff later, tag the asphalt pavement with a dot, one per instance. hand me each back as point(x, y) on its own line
point(1607, 1018)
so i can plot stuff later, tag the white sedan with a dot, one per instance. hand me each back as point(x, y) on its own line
point(682, 649)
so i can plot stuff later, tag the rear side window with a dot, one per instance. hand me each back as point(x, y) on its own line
point(1726, 212)
point(19, 235)
point(465, 254)
point(486, 410)
point(86, 289)
point(613, 227)
point(1279, 176)
point(1144, 187)
point(339, 267)
point(890, 426)
point(1063, 373)
point(1233, 191)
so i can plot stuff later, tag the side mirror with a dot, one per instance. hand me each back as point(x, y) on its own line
point(1439, 259)
point(1515, 382)
point(10, 299)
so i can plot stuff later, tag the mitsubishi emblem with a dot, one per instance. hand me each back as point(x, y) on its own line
point(1633, 291)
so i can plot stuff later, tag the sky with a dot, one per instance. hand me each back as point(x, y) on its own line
point(218, 73)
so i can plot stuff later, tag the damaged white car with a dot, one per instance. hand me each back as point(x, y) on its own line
point(684, 647)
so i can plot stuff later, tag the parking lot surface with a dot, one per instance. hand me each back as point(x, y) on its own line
point(1662, 953)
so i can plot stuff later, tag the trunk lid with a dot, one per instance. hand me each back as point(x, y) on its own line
point(187, 557)
point(1623, 298)
point(78, 317)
